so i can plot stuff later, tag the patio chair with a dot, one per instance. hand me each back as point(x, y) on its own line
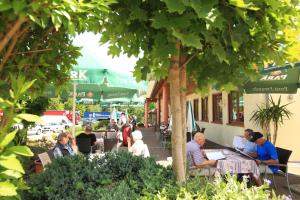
point(283, 158)
point(46, 157)
point(84, 145)
point(109, 144)
point(206, 171)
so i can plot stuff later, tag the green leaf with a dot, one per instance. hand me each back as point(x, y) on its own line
point(7, 189)
point(219, 51)
point(114, 51)
point(26, 86)
point(31, 118)
point(11, 173)
point(34, 19)
point(203, 7)
point(56, 20)
point(18, 5)
point(5, 5)
point(21, 150)
point(242, 4)
point(71, 28)
point(8, 138)
point(160, 21)
point(11, 93)
point(189, 39)
point(175, 6)
point(11, 163)
point(66, 14)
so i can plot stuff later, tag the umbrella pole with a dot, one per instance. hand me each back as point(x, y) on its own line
point(74, 110)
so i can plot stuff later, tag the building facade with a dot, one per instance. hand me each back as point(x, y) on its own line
point(227, 114)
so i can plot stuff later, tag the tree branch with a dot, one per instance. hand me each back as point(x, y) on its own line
point(11, 32)
point(33, 51)
point(189, 59)
point(11, 47)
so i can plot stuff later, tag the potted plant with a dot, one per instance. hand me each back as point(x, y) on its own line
point(275, 113)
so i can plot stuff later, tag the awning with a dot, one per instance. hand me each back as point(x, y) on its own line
point(282, 80)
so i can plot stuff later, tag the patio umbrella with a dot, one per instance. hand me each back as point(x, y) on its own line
point(190, 121)
point(101, 84)
point(283, 80)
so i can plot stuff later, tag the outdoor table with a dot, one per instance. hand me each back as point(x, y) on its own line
point(235, 163)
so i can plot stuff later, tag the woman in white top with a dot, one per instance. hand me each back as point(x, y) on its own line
point(138, 148)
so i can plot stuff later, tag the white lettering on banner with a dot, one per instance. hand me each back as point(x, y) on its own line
point(78, 94)
point(78, 75)
point(271, 78)
point(73, 74)
point(82, 75)
point(270, 89)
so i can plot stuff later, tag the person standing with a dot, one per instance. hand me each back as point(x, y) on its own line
point(132, 123)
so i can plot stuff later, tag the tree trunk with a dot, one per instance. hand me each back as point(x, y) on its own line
point(178, 141)
point(183, 111)
point(275, 133)
point(177, 80)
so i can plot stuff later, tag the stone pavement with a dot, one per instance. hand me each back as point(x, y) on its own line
point(151, 138)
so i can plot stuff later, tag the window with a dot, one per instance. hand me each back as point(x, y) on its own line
point(236, 108)
point(196, 109)
point(204, 109)
point(217, 108)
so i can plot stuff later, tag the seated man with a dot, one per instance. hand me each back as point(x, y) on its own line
point(62, 148)
point(194, 154)
point(88, 134)
point(113, 126)
point(250, 147)
point(266, 154)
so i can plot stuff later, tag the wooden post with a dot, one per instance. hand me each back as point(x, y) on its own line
point(146, 114)
point(165, 108)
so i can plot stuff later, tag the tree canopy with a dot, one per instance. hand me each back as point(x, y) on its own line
point(224, 39)
point(217, 43)
point(36, 37)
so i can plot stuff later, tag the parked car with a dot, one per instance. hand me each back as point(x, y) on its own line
point(53, 127)
point(35, 130)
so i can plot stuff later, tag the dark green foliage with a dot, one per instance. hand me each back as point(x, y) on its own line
point(114, 176)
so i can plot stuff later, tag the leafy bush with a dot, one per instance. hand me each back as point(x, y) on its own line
point(114, 176)
point(222, 188)
point(123, 176)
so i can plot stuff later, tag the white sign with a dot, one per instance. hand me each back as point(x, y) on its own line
point(78, 75)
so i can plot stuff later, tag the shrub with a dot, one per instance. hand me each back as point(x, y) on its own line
point(123, 176)
point(222, 188)
point(114, 176)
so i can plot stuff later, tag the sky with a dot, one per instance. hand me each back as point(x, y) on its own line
point(96, 55)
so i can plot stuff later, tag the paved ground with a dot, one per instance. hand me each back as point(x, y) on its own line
point(151, 138)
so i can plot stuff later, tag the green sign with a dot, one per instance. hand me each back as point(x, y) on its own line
point(276, 80)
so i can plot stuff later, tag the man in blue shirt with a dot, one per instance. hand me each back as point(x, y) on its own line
point(266, 153)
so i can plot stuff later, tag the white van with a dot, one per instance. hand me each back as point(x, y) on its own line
point(56, 123)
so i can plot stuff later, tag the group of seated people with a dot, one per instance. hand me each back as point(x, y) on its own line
point(66, 144)
point(262, 150)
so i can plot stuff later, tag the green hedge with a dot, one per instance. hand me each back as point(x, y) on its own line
point(123, 176)
point(114, 176)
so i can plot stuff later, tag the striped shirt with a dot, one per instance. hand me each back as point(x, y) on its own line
point(194, 153)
